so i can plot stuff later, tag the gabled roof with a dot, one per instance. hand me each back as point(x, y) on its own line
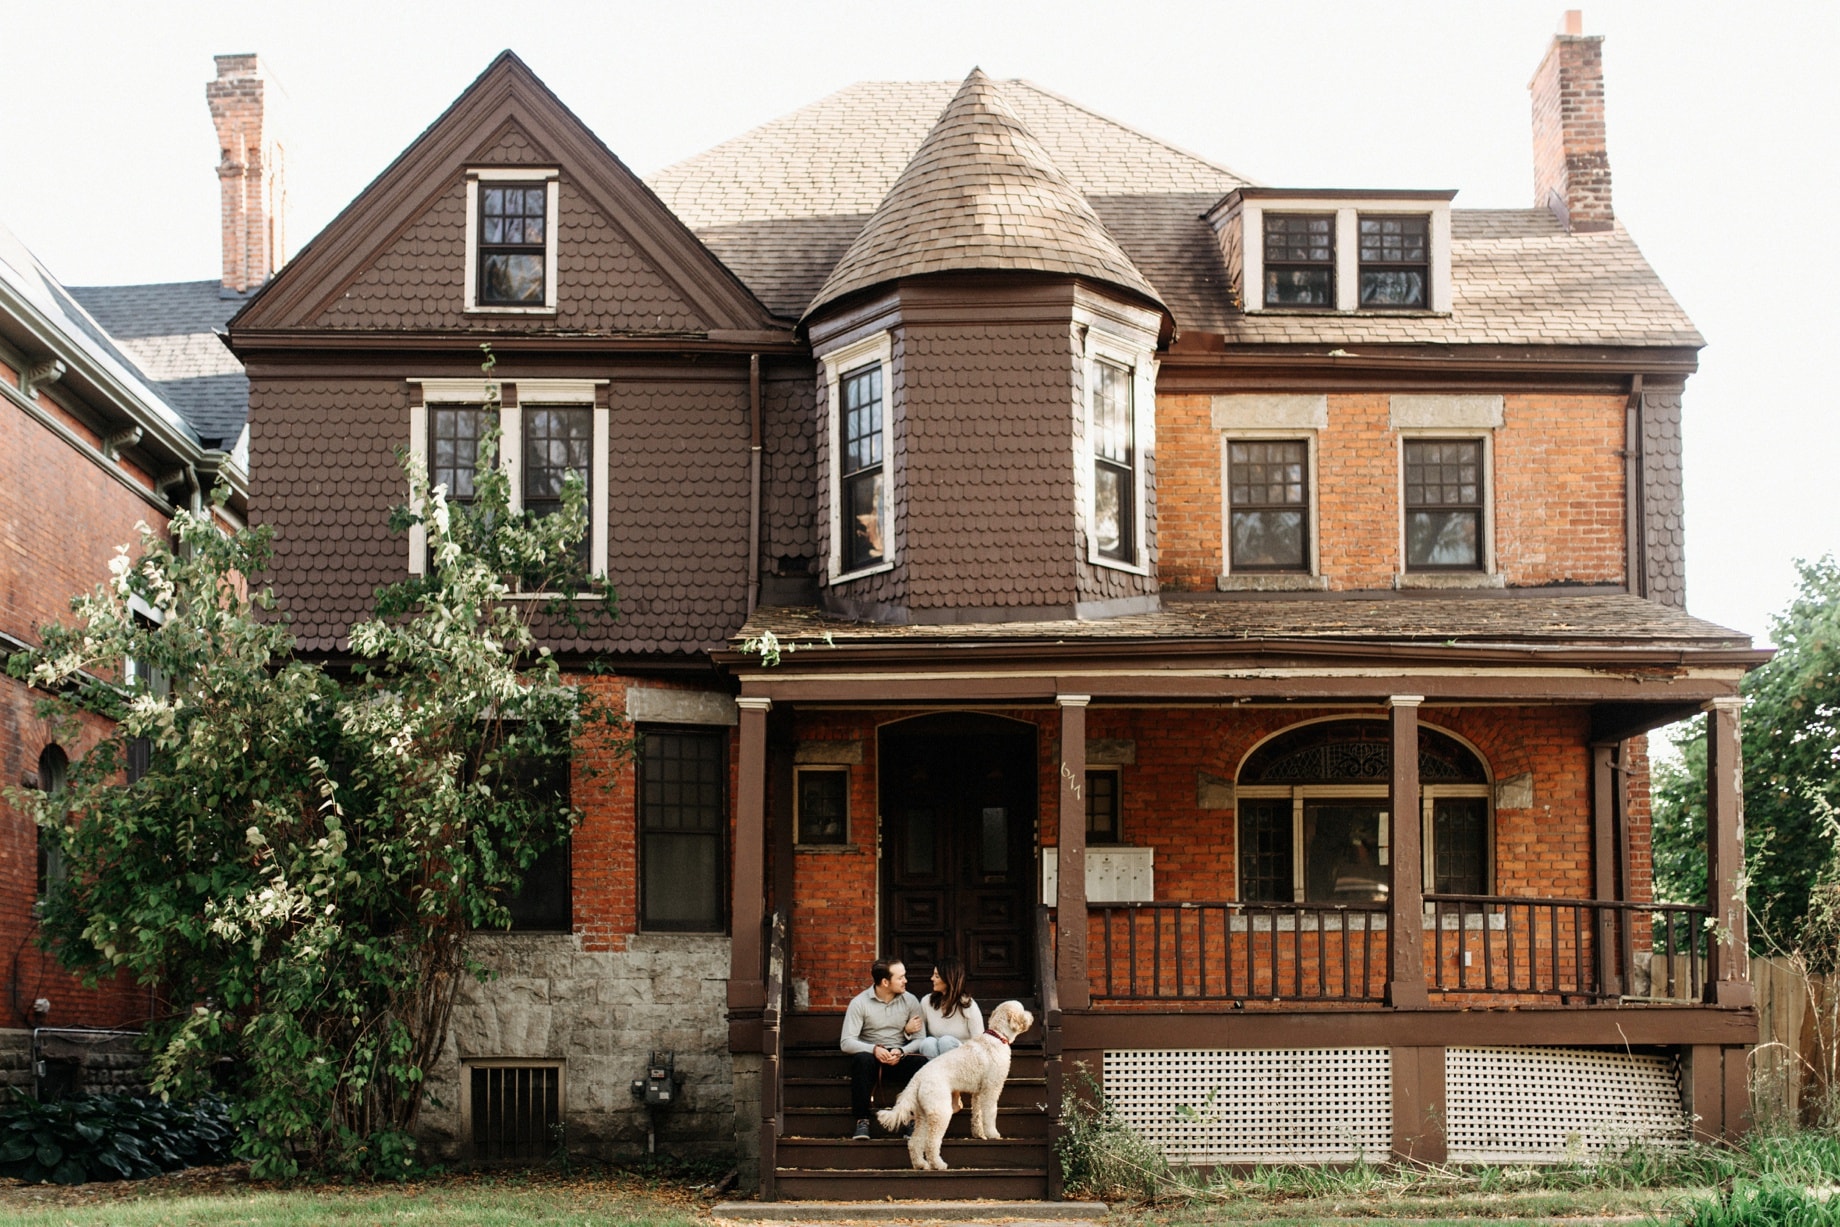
point(981, 193)
point(173, 331)
point(507, 101)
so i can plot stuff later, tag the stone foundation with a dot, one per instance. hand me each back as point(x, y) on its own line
point(601, 1014)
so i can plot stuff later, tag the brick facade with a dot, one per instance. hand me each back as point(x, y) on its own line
point(1546, 530)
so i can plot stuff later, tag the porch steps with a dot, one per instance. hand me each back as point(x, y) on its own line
point(816, 1160)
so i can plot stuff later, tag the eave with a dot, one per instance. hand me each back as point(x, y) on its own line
point(1199, 362)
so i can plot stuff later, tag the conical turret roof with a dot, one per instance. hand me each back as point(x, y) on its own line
point(981, 194)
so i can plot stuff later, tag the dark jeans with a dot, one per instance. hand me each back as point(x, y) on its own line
point(865, 1070)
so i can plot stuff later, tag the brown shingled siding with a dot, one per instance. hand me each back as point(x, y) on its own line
point(323, 475)
point(603, 283)
point(789, 467)
point(677, 533)
point(1558, 497)
point(989, 459)
point(1664, 520)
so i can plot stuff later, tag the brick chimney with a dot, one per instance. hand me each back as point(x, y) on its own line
point(252, 172)
point(1571, 166)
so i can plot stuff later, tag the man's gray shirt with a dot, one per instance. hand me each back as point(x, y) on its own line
point(871, 1023)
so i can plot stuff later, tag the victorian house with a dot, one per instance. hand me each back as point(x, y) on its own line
point(1226, 616)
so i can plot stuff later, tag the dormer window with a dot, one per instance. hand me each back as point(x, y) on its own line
point(1395, 260)
point(1114, 464)
point(1300, 260)
point(1322, 249)
point(859, 396)
point(511, 240)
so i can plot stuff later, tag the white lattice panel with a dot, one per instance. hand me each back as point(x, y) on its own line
point(1550, 1105)
point(1304, 1105)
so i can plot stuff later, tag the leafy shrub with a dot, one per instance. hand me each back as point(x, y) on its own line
point(110, 1137)
point(1100, 1153)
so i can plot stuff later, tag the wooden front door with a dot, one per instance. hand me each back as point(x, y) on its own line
point(958, 850)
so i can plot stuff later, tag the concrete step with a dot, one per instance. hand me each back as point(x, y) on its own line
point(905, 1184)
point(886, 1153)
point(927, 1211)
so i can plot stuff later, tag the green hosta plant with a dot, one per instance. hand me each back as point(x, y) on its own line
point(110, 1137)
point(301, 865)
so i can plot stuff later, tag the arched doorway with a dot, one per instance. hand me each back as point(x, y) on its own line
point(1314, 824)
point(958, 848)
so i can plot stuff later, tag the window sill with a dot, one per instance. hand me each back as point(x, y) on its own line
point(1447, 580)
point(1271, 581)
point(877, 569)
point(480, 310)
point(1112, 564)
point(830, 849)
point(1367, 312)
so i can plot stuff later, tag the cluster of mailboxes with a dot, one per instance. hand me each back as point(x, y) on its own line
point(1113, 875)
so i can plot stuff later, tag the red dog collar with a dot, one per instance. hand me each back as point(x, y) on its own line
point(995, 1035)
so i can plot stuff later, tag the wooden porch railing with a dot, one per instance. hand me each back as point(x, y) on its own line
point(1564, 947)
point(1238, 951)
point(772, 1049)
point(1474, 944)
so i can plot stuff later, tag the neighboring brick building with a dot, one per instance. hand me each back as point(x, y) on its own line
point(1089, 480)
point(96, 447)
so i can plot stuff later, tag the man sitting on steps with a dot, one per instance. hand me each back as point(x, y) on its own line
point(877, 1026)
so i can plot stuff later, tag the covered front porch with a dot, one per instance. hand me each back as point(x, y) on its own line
point(1225, 853)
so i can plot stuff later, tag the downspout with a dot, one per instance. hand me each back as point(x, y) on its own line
point(753, 596)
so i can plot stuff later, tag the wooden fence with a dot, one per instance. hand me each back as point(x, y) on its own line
point(1794, 1065)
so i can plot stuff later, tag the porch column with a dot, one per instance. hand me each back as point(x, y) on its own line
point(1405, 986)
point(1070, 897)
point(748, 886)
point(1606, 781)
point(1728, 980)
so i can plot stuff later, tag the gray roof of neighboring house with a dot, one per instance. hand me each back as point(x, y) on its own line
point(981, 193)
point(32, 281)
point(783, 203)
point(171, 329)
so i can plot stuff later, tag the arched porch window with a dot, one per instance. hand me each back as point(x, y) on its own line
point(1313, 821)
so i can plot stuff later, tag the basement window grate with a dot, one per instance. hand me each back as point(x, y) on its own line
point(1291, 1105)
point(514, 1110)
point(1558, 1105)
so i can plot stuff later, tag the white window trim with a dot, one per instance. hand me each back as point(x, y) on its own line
point(1487, 576)
point(1100, 347)
point(536, 393)
point(798, 818)
point(1347, 250)
point(848, 359)
point(474, 177)
point(1309, 436)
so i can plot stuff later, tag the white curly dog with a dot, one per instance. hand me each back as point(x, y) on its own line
point(977, 1068)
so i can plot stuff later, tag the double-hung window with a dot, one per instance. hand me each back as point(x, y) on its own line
point(1444, 504)
point(1103, 806)
point(682, 824)
point(511, 240)
point(456, 432)
point(557, 440)
point(1268, 496)
point(540, 900)
point(1114, 463)
point(863, 470)
point(1300, 259)
point(823, 799)
point(1395, 260)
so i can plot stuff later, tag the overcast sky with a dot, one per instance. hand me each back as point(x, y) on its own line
point(1722, 123)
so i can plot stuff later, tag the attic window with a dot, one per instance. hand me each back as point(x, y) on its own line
point(511, 240)
point(1395, 260)
point(1300, 260)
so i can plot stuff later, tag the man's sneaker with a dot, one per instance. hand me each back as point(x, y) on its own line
point(862, 1131)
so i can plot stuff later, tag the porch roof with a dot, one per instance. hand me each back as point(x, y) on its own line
point(1506, 621)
